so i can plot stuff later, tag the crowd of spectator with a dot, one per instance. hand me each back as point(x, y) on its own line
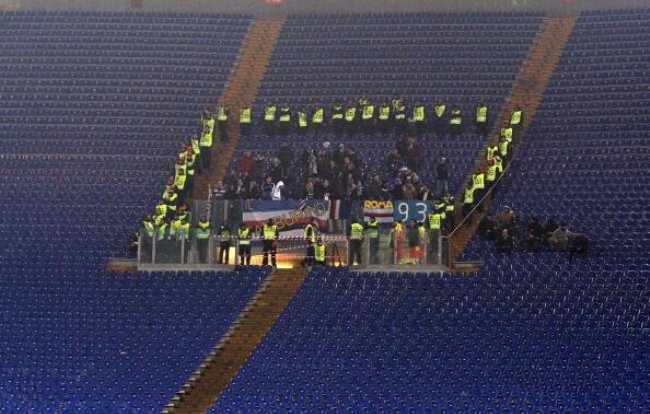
point(509, 233)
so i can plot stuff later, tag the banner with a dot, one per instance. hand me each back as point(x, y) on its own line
point(291, 216)
point(382, 211)
point(407, 210)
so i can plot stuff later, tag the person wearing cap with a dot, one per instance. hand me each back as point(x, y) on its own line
point(270, 242)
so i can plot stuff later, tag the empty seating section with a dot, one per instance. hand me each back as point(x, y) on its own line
point(93, 107)
point(587, 154)
point(528, 336)
point(76, 341)
point(460, 57)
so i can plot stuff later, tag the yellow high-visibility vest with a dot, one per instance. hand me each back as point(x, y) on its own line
point(481, 114)
point(245, 116)
point(338, 112)
point(149, 228)
point(435, 221)
point(368, 112)
point(196, 146)
point(356, 231)
point(440, 110)
point(350, 114)
point(418, 113)
point(492, 172)
point(503, 148)
point(318, 116)
point(302, 119)
point(507, 133)
point(478, 181)
point(244, 236)
point(309, 233)
point(469, 196)
point(319, 252)
point(269, 113)
point(206, 136)
point(269, 232)
point(515, 118)
point(222, 115)
point(456, 118)
point(285, 115)
point(384, 113)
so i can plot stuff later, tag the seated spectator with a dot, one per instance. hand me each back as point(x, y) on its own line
point(550, 227)
point(487, 228)
point(505, 243)
point(559, 238)
point(578, 245)
point(532, 242)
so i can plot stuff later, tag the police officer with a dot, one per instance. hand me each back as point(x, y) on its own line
point(225, 242)
point(302, 120)
point(195, 143)
point(269, 117)
point(318, 116)
point(190, 165)
point(223, 112)
point(435, 226)
point(372, 231)
point(205, 144)
point(148, 234)
point(319, 252)
point(482, 118)
point(182, 232)
point(338, 116)
point(439, 117)
point(309, 234)
point(455, 122)
point(399, 114)
point(351, 117)
point(270, 242)
point(170, 198)
point(450, 210)
point(506, 131)
point(368, 116)
point(356, 240)
point(284, 121)
point(384, 117)
point(504, 146)
point(468, 202)
point(245, 116)
point(202, 234)
point(517, 117)
point(478, 182)
point(418, 118)
point(244, 236)
point(180, 177)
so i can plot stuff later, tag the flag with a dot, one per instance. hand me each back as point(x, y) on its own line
point(290, 216)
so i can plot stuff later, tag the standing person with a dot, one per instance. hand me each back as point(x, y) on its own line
point(302, 120)
point(269, 118)
point(422, 230)
point(225, 241)
point(338, 116)
point(440, 120)
point(356, 240)
point(368, 116)
point(481, 118)
point(284, 121)
point(223, 112)
point(270, 242)
point(442, 174)
point(455, 122)
point(399, 115)
point(413, 235)
point(384, 117)
point(205, 144)
point(318, 116)
point(183, 236)
point(435, 227)
point(202, 234)
point(320, 253)
point(372, 231)
point(308, 260)
point(351, 117)
point(309, 233)
point(245, 116)
point(244, 237)
point(517, 117)
point(418, 118)
point(450, 210)
point(468, 203)
point(397, 240)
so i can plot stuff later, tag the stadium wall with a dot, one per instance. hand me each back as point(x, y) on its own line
point(261, 8)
